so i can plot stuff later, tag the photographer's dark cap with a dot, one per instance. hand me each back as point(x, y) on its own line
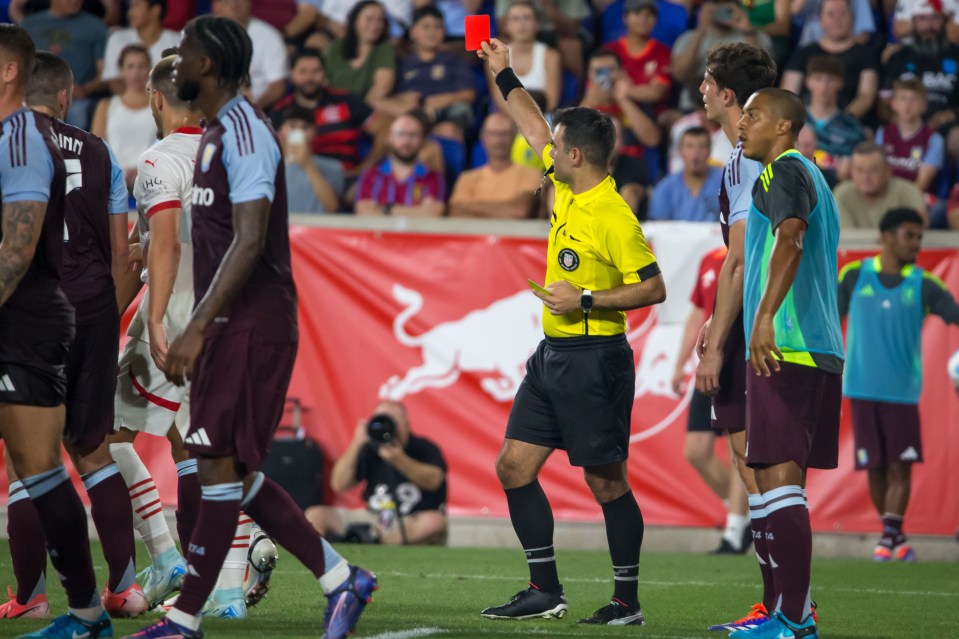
point(638, 5)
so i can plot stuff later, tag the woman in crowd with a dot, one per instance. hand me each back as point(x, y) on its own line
point(125, 120)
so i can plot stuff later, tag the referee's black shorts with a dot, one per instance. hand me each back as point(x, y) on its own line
point(577, 396)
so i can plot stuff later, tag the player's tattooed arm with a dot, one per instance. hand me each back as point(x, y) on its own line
point(22, 224)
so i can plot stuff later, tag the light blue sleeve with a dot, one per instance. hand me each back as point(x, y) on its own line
point(880, 135)
point(741, 193)
point(936, 152)
point(26, 168)
point(119, 203)
point(250, 167)
point(862, 19)
point(659, 202)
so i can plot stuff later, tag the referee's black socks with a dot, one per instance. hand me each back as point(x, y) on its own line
point(624, 532)
point(533, 522)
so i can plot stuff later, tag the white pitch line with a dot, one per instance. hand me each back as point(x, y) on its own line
point(676, 584)
point(655, 584)
point(409, 634)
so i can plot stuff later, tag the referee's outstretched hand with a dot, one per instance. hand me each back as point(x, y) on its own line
point(496, 53)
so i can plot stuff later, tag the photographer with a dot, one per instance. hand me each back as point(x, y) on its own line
point(405, 483)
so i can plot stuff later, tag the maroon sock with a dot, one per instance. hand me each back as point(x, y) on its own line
point(27, 544)
point(65, 525)
point(209, 544)
point(758, 525)
point(283, 520)
point(789, 539)
point(113, 518)
point(187, 507)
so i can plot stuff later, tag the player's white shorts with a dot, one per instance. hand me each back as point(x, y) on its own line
point(146, 401)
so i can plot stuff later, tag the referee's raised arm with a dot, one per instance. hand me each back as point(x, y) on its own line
point(521, 106)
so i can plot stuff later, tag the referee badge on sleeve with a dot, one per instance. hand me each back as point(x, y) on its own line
point(568, 259)
point(208, 152)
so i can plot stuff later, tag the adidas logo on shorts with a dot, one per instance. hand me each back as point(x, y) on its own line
point(199, 438)
point(6, 385)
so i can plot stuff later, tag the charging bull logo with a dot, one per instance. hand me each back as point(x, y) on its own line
point(494, 341)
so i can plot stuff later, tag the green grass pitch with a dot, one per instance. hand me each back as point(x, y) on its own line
point(426, 592)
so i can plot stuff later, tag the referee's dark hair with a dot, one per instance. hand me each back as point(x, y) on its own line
point(51, 74)
point(16, 44)
point(590, 131)
point(742, 68)
point(785, 105)
point(228, 46)
point(894, 218)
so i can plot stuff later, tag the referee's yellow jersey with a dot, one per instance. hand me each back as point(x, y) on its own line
point(595, 243)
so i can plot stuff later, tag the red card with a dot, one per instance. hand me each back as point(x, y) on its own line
point(477, 31)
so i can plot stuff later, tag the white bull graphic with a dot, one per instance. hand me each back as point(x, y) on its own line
point(496, 340)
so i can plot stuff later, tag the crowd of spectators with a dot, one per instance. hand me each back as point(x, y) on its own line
point(380, 110)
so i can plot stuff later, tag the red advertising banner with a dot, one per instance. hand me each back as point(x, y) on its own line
point(445, 323)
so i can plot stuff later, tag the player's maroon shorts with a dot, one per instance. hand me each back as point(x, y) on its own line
point(729, 406)
point(33, 356)
point(237, 394)
point(92, 384)
point(793, 415)
point(885, 433)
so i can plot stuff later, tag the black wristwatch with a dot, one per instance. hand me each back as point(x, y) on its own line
point(586, 301)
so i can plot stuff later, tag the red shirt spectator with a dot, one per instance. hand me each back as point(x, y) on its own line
point(380, 185)
point(178, 14)
point(704, 293)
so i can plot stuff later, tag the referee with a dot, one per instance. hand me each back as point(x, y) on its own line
point(579, 386)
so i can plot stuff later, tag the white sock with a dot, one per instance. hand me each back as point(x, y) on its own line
point(334, 577)
point(234, 566)
point(147, 510)
point(736, 526)
point(190, 622)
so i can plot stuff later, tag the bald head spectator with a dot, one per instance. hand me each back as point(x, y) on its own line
point(268, 68)
point(500, 189)
point(80, 39)
point(401, 185)
point(873, 190)
point(145, 18)
point(860, 62)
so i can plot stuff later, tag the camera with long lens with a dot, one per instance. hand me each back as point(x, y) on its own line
point(381, 429)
